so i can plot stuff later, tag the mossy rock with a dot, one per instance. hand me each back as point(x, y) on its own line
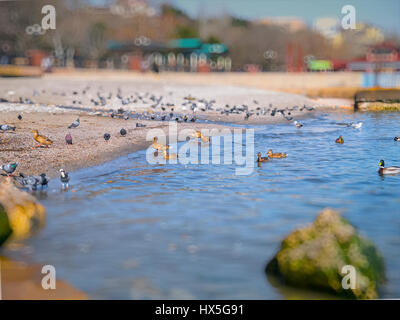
point(5, 229)
point(313, 257)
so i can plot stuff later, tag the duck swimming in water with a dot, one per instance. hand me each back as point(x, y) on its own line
point(276, 155)
point(339, 140)
point(387, 170)
point(261, 159)
point(159, 146)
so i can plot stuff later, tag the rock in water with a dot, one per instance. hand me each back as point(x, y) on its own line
point(25, 214)
point(314, 256)
point(5, 229)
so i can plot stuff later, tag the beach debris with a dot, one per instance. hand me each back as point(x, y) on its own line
point(315, 257)
point(107, 136)
point(64, 178)
point(68, 138)
point(297, 124)
point(9, 168)
point(6, 127)
point(74, 124)
point(24, 213)
point(42, 140)
point(339, 140)
point(122, 132)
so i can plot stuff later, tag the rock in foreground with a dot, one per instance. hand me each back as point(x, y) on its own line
point(313, 257)
point(24, 213)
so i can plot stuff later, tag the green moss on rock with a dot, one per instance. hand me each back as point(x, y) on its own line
point(314, 256)
point(5, 229)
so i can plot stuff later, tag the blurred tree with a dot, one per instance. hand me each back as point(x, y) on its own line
point(186, 32)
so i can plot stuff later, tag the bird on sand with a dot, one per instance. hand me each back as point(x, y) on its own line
point(387, 170)
point(74, 124)
point(19, 117)
point(339, 140)
point(9, 168)
point(107, 136)
point(276, 155)
point(64, 177)
point(42, 140)
point(6, 127)
point(68, 138)
point(297, 124)
point(122, 132)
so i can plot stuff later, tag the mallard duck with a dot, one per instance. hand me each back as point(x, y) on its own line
point(388, 170)
point(339, 140)
point(261, 159)
point(276, 155)
point(169, 156)
point(159, 146)
point(43, 141)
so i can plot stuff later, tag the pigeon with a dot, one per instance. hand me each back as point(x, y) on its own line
point(122, 132)
point(107, 136)
point(19, 117)
point(43, 180)
point(140, 125)
point(68, 138)
point(74, 124)
point(6, 127)
point(297, 124)
point(28, 182)
point(9, 168)
point(64, 178)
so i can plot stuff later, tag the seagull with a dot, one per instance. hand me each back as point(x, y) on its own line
point(68, 138)
point(357, 125)
point(9, 168)
point(122, 132)
point(64, 178)
point(74, 124)
point(297, 124)
point(107, 136)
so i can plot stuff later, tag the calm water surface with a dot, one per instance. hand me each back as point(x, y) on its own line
point(132, 230)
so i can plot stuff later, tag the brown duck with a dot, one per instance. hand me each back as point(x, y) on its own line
point(261, 159)
point(339, 140)
point(42, 140)
point(276, 155)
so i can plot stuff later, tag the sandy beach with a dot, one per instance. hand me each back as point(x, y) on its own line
point(50, 104)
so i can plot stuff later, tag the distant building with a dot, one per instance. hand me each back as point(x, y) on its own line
point(292, 24)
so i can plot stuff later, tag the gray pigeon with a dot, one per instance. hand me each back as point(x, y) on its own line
point(64, 178)
point(28, 182)
point(6, 127)
point(43, 180)
point(107, 136)
point(74, 124)
point(9, 168)
point(122, 132)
